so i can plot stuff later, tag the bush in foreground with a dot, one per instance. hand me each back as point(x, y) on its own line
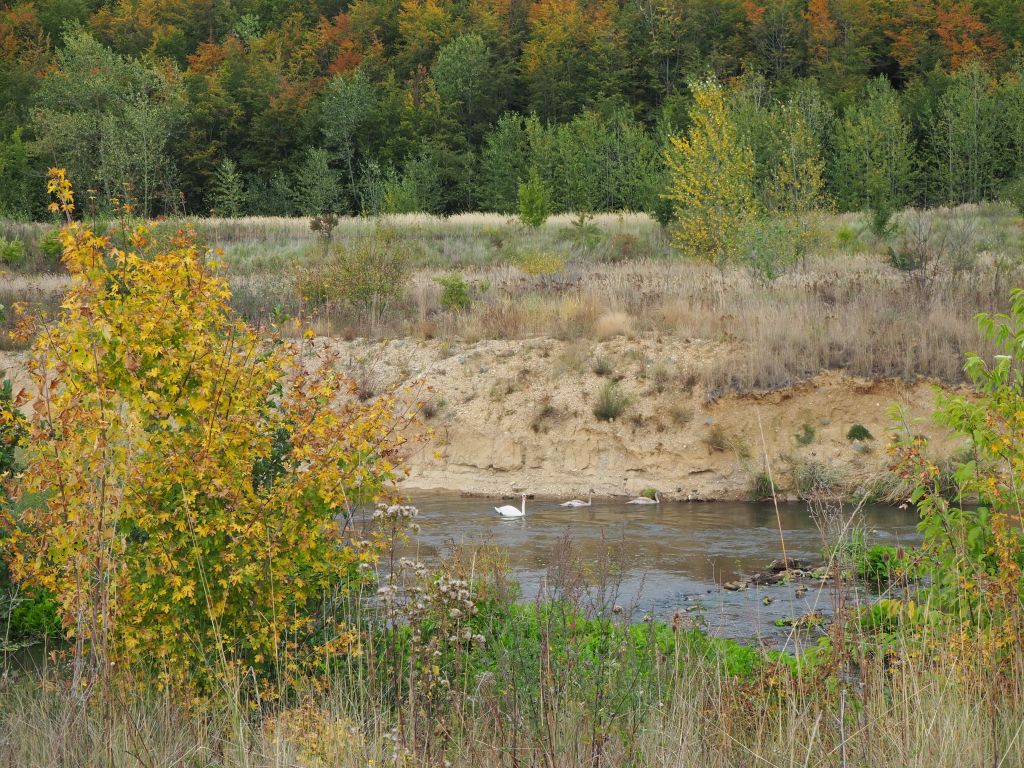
point(188, 477)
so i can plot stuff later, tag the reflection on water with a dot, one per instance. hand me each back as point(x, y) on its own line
point(676, 555)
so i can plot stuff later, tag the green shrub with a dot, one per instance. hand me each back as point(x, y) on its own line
point(369, 274)
point(1013, 193)
point(718, 440)
point(50, 244)
point(881, 217)
point(881, 563)
point(806, 434)
point(611, 402)
point(534, 200)
point(12, 252)
point(770, 247)
point(13, 430)
point(859, 432)
point(23, 616)
point(584, 233)
point(649, 492)
point(903, 259)
point(27, 618)
point(663, 211)
point(399, 195)
point(455, 295)
point(762, 487)
point(811, 477)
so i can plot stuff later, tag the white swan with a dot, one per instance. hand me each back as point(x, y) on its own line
point(645, 500)
point(580, 503)
point(507, 510)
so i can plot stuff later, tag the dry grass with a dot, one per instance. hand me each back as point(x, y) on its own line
point(613, 324)
point(903, 716)
point(846, 308)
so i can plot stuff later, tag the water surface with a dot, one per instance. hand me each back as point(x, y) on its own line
point(674, 557)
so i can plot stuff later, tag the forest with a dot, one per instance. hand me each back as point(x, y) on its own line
point(264, 107)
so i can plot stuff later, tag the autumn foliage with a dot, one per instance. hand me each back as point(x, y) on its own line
point(712, 185)
point(86, 85)
point(196, 479)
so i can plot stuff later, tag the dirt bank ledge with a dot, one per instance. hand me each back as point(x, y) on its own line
point(511, 416)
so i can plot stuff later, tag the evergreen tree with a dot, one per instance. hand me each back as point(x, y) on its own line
point(504, 164)
point(582, 182)
point(227, 192)
point(316, 185)
point(17, 187)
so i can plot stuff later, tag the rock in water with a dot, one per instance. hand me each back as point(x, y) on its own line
point(789, 564)
point(768, 578)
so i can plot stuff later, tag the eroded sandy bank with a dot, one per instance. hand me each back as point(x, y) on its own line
point(510, 416)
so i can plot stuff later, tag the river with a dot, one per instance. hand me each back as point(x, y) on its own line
point(671, 558)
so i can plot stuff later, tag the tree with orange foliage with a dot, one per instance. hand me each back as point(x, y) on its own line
point(939, 33)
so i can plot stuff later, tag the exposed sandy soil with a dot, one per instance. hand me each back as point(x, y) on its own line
point(515, 416)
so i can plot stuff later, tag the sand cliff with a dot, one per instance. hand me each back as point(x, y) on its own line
point(509, 416)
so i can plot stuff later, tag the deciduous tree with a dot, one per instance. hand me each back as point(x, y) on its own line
point(196, 478)
point(712, 180)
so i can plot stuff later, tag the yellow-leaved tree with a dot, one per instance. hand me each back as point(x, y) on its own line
point(712, 181)
point(194, 474)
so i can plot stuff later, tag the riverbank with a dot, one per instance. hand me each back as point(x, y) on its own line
point(511, 416)
point(519, 416)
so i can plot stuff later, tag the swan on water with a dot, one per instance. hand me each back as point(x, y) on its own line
point(645, 500)
point(579, 502)
point(507, 510)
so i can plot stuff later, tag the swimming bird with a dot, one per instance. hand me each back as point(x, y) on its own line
point(578, 502)
point(645, 500)
point(508, 511)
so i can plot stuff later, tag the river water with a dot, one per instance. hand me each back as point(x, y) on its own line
point(671, 558)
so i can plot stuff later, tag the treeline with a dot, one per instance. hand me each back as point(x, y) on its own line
point(264, 107)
